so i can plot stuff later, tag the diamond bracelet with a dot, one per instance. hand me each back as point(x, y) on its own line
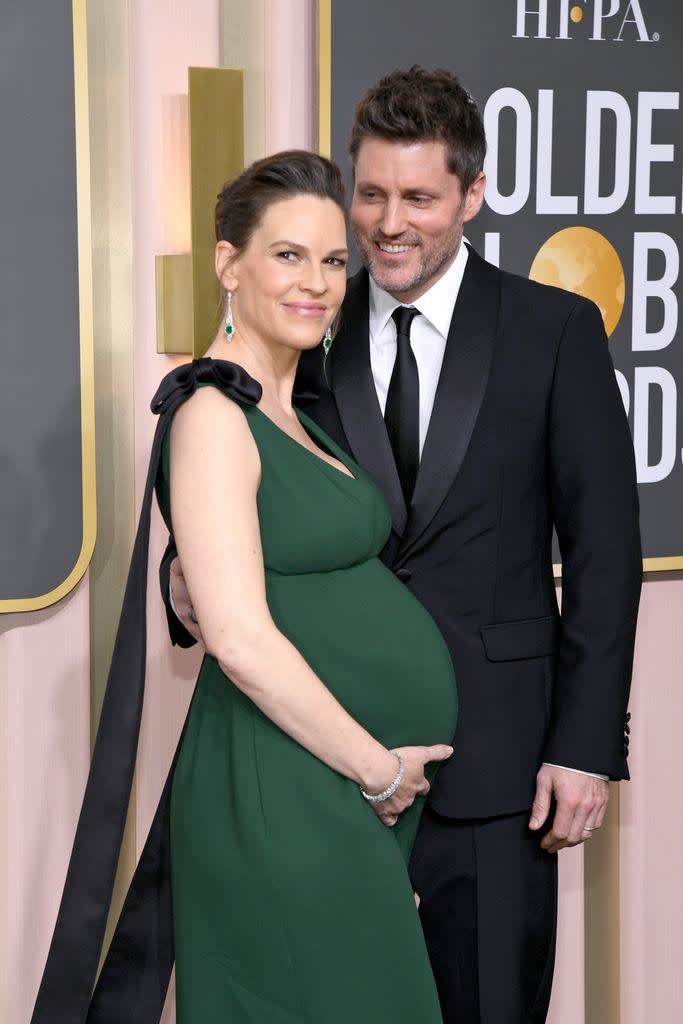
point(377, 798)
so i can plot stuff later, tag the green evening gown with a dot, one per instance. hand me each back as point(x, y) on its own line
point(291, 900)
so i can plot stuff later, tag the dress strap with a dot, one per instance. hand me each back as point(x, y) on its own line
point(134, 979)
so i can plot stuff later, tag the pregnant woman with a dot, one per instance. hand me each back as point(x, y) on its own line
point(326, 698)
point(291, 898)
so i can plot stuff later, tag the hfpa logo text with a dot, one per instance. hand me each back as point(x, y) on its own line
point(615, 20)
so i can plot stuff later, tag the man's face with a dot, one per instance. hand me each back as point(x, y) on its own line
point(408, 212)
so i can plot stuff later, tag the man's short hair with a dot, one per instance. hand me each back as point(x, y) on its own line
point(420, 106)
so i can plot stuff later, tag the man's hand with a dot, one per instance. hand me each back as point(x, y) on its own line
point(180, 599)
point(581, 805)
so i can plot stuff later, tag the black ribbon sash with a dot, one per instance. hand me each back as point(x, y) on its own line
point(134, 979)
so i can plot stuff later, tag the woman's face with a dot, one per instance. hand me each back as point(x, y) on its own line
point(289, 281)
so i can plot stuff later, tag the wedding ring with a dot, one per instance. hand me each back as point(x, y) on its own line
point(587, 828)
point(190, 614)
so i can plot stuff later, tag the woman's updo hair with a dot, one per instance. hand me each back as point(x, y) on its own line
point(243, 201)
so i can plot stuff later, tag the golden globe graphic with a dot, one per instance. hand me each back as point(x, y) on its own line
point(583, 261)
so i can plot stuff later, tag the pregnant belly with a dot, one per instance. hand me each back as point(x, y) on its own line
point(374, 646)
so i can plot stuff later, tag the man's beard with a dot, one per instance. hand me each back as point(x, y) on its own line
point(429, 267)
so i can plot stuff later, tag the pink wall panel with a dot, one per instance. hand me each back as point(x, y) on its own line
point(651, 834)
point(567, 1003)
point(290, 74)
point(44, 754)
point(166, 38)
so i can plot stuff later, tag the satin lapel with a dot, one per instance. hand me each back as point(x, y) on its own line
point(459, 394)
point(349, 375)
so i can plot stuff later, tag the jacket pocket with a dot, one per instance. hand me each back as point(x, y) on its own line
point(524, 638)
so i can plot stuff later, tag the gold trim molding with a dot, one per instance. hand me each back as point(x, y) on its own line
point(602, 965)
point(325, 77)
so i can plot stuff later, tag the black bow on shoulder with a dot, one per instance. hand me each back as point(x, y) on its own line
point(181, 383)
point(134, 979)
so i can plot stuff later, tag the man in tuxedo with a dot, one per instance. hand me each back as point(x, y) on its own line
point(485, 408)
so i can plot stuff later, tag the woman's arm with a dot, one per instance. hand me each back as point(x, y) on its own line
point(215, 474)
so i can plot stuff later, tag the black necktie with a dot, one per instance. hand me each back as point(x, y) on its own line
point(402, 412)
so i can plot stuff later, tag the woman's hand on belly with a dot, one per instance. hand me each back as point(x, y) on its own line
point(414, 782)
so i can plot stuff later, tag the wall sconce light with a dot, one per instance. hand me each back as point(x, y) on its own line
point(187, 291)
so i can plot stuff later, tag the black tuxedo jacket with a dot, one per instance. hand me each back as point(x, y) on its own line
point(528, 432)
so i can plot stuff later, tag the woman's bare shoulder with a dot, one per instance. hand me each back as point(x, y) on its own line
point(212, 423)
point(208, 403)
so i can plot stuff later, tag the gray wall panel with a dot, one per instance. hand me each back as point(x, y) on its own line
point(41, 465)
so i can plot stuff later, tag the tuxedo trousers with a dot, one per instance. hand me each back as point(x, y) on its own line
point(488, 906)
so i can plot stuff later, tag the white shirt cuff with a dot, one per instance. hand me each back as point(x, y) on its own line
point(577, 771)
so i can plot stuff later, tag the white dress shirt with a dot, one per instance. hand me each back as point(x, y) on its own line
point(428, 334)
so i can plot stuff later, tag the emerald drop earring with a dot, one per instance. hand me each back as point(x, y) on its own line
point(327, 340)
point(229, 322)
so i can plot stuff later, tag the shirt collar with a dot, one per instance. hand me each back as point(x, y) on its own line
point(437, 304)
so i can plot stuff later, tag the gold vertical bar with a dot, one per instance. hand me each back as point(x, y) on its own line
point(85, 291)
point(325, 77)
point(174, 303)
point(216, 104)
point(601, 919)
point(112, 259)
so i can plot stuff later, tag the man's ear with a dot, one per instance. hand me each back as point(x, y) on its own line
point(225, 261)
point(475, 196)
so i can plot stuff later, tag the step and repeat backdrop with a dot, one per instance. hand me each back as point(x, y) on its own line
point(47, 482)
point(581, 103)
